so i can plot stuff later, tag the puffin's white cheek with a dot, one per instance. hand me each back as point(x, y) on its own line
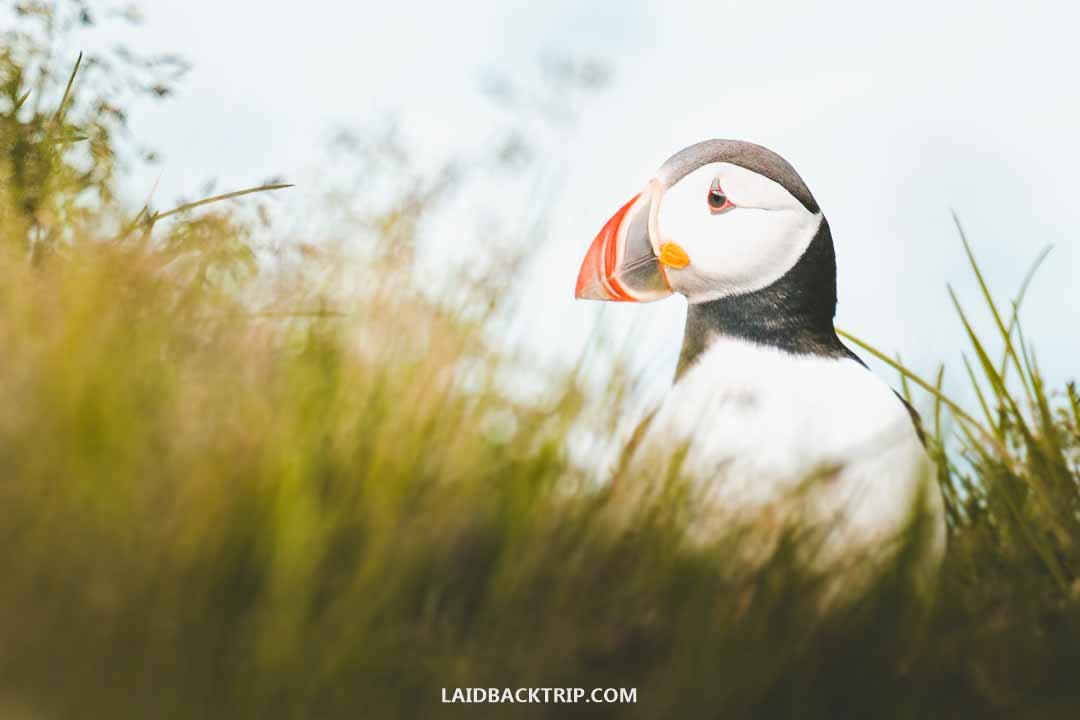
point(720, 246)
point(743, 250)
point(709, 258)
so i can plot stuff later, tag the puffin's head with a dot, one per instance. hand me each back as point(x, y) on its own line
point(720, 218)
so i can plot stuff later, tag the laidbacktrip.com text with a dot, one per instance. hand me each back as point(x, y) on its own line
point(539, 695)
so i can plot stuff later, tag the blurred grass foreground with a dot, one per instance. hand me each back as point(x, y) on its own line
point(250, 481)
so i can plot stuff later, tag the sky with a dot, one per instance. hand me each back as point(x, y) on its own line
point(895, 114)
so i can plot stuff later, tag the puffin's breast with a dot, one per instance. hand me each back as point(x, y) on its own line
point(756, 422)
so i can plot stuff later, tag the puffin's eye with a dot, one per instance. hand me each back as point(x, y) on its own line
point(718, 201)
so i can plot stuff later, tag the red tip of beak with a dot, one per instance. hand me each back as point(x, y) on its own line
point(596, 279)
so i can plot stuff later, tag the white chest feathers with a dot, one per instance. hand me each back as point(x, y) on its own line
point(754, 428)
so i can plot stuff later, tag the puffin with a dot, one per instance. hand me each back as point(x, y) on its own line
point(770, 415)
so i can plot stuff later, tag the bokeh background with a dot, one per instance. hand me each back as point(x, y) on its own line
point(894, 114)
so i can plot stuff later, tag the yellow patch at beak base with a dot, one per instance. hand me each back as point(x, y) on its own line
point(673, 256)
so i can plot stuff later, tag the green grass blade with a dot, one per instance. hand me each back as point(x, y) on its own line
point(1003, 366)
point(905, 387)
point(1074, 402)
point(990, 419)
point(1052, 447)
point(937, 399)
point(996, 383)
point(217, 198)
point(1009, 349)
point(20, 102)
point(61, 110)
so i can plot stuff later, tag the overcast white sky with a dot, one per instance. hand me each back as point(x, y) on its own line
point(892, 112)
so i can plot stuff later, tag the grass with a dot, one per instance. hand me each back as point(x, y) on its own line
point(227, 491)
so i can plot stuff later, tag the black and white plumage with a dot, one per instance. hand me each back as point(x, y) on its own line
point(765, 396)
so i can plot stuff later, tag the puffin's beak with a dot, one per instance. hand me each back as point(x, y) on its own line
point(622, 263)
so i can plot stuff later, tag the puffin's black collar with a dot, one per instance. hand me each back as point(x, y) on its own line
point(794, 314)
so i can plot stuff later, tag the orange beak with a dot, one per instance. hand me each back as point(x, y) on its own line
point(621, 264)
